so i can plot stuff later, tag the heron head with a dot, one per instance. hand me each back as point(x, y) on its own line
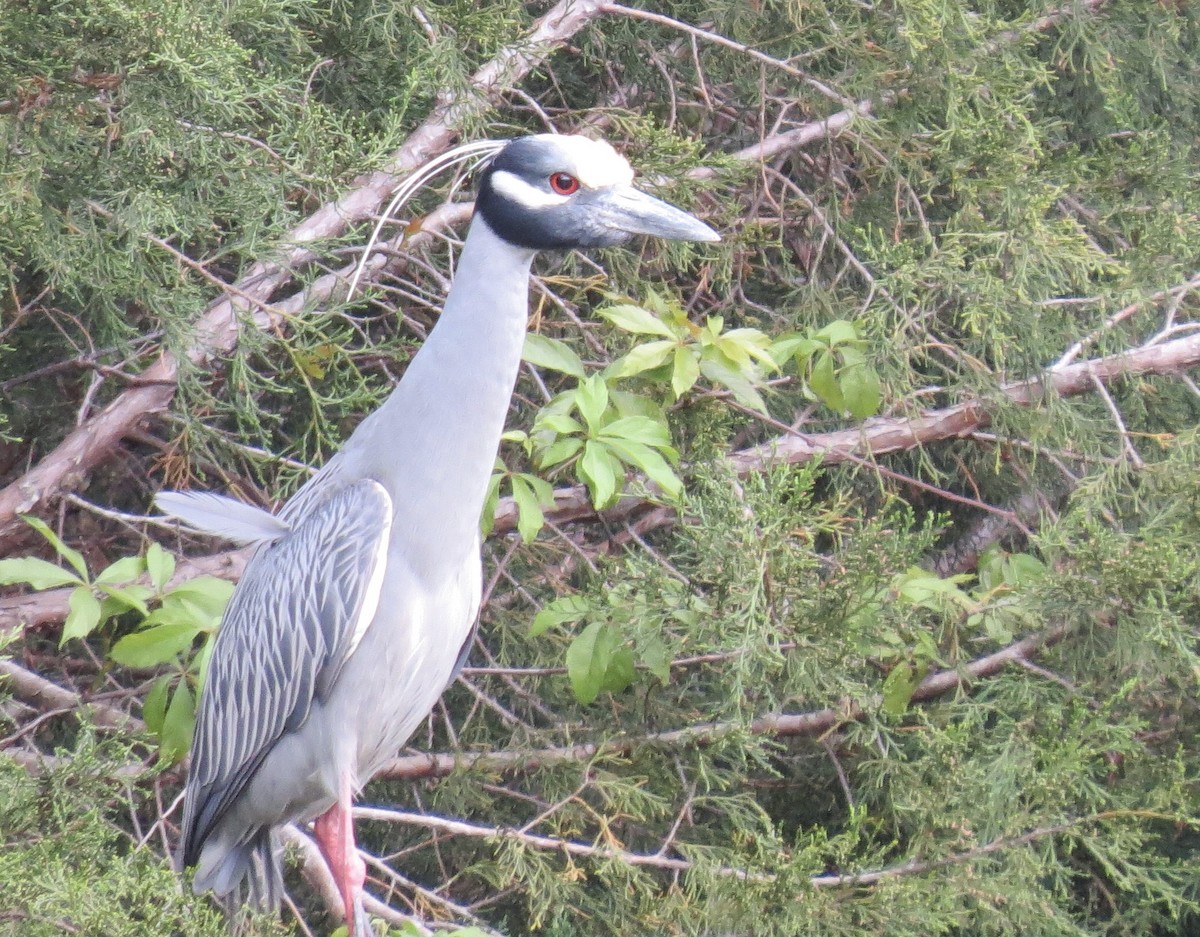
point(551, 192)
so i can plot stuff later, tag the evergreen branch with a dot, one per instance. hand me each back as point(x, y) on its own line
point(918, 866)
point(91, 443)
point(537, 841)
point(779, 725)
point(717, 39)
point(657, 860)
point(877, 436)
point(881, 435)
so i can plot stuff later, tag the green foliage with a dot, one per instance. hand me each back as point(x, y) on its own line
point(68, 863)
point(835, 368)
point(178, 630)
point(731, 359)
point(1024, 184)
point(598, 659)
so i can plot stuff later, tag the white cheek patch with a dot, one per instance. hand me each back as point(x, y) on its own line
point(515, 189)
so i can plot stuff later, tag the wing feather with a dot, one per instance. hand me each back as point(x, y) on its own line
point(219, 516)
point(297, 615)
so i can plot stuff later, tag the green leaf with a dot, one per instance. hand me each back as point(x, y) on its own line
point(860, 390)
point(160, 565)
point(638, 429)
point(180, 609)
point(74, 557)
point(83, 615)
point(627, 404)
point(559, 423)
point(155, 645)
point(621, 672)
point(559, 451)
point(529, 513)
point(1021, 569)
point(601, 471)
point(850, 356)
point(178, 725)
point(546, 352)
point(996, 627)
point(154, 707)
point(919, 587)
point(657, 659)
point(126, 569)
point(558, 611)
point(635, 319)
point(641, 358)
point(685, 371)
point(786, 347)
point(898, 688)
point(651, 463)
point(207, 593)
point(824, 384)
point(111, 607)
point(742, 389)
point(200, 662)
point(36, 573)
point(838, 332)
point(991, 568)
point(591, 398)
point(587, 660)
point(133, 595)
point(487, 517)
point(745, 346)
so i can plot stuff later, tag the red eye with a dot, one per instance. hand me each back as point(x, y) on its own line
point(564, 184)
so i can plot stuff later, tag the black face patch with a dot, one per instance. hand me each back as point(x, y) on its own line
point(564, 226)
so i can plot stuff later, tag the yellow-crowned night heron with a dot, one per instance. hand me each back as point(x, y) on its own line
point(358, 607)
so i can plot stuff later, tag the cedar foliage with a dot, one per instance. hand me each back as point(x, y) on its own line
point(1027, 173)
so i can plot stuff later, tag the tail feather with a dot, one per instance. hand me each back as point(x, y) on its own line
point(248, 873)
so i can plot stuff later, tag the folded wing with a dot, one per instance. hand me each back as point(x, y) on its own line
point(303, 604)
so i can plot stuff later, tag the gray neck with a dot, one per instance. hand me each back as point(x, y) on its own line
point(433, 442)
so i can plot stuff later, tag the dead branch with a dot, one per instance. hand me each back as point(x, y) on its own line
point(792, 139)
point(536, 841)
point(44, 694)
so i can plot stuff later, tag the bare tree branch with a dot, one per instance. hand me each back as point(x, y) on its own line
point(44, 694)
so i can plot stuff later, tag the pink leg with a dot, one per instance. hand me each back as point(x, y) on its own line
point(334, 831)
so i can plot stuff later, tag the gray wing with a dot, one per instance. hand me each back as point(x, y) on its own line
point(298, 613)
